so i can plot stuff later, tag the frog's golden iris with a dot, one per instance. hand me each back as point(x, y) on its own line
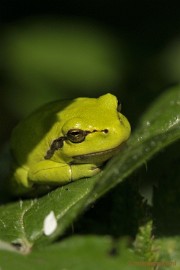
point(66, 140)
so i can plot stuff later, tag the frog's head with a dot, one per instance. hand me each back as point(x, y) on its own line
point(94, 130)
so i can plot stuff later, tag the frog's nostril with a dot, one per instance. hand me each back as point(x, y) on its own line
point(105, 130)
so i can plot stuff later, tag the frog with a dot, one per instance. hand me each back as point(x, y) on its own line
point(64, 141)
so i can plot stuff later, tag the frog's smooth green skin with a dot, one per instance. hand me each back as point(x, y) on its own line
point(66, 140)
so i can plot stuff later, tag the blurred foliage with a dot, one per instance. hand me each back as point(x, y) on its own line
point(49, 60)
point(65, 50)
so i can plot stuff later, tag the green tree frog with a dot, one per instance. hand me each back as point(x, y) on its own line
point(66, 140)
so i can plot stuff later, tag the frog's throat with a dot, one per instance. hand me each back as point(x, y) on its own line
point(98, 155)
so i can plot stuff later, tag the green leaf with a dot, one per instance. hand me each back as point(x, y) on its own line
point(22, 222)
point(92, 252)
point(74, 253)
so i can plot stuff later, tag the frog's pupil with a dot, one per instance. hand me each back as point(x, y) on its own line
point(75, 133)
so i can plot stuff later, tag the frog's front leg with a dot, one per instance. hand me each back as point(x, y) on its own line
point(51, 172)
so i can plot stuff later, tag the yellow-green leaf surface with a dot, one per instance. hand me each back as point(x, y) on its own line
point(22, 222)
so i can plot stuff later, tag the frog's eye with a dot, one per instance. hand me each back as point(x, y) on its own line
point(76, 135)
point(119, 107)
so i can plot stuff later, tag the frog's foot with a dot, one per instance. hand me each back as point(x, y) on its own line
point(83, 170)
point(22, 175)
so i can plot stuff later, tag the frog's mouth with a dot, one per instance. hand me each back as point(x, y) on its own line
point(97, 157)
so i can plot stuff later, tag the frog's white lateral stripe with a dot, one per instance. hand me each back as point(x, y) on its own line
point(50, 224)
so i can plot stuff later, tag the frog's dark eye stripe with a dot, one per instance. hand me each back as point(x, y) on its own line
point(74, 136)
point(56, 144)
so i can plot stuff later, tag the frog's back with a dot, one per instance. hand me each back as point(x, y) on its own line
point(29, 134)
